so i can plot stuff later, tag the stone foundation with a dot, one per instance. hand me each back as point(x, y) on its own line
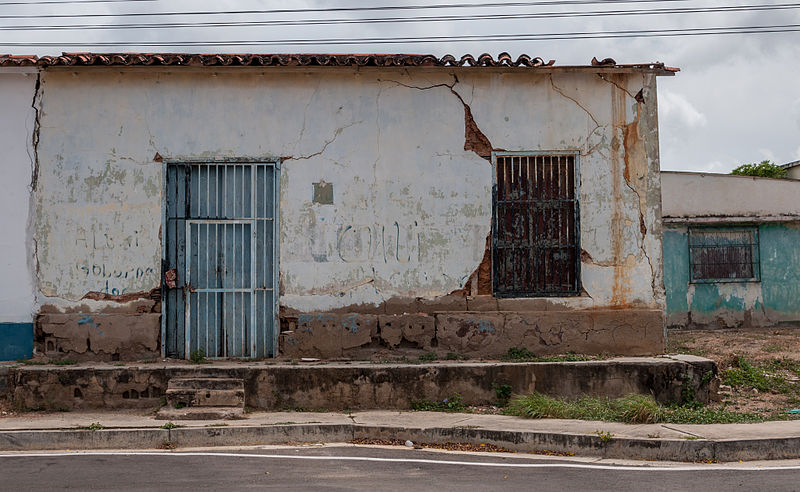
point(98, 336)
point(476, 333)
point(363, 385)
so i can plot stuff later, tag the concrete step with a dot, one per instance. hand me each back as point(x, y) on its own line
point(200, 413)
point(205, 392)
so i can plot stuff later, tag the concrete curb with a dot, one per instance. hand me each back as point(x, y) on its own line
point(578, 444)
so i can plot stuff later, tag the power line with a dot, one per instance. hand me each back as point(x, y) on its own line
point(338, 9)
point(69, 2)
point(380, 20)
point(698, 31)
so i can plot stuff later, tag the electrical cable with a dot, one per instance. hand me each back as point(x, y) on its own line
point(700, 31)
point(379, 20)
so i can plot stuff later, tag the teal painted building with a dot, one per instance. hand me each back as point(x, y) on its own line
point(731, 251)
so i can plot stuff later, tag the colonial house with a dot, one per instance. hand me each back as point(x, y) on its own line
point(731, 250)
point(332, 206)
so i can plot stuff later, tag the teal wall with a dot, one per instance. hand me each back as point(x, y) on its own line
point(16, 341)
point(772, 301)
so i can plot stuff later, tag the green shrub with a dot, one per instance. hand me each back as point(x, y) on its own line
point(452, 404)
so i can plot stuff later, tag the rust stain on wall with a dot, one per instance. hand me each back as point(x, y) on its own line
point(621, 285)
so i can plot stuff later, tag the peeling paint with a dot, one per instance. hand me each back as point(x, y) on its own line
point(412, 214)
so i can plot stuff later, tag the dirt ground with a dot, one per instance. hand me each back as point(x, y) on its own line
point(773, 352)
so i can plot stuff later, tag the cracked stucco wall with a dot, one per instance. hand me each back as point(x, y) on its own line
point(411, 208)
point(17, 121)
point(772, 301)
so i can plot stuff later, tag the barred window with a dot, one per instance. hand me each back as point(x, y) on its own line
point(724, 254)
point(535, 247)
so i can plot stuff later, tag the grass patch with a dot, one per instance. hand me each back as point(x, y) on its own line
point(29, 362)
point(764, 377)
point(455, 356)
point(632, 409)
point(524, 355)
point(170, 425)
point(452, 404)
point(64, 362)
point(428, 357)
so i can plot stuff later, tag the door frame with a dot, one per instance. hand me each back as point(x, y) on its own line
point(275, 163)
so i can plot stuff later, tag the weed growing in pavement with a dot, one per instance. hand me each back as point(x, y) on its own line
point(452, 404)
point(170, 425)
point(633, 409)
point(524, 355)
point(455, 356)
point(428, 357)
point(29, 362)
point(605, 437)
point(94, 426)
point(502, 392)
point(198, 356)
point(64, 362)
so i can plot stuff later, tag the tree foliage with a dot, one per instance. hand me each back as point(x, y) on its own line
point(764, 169)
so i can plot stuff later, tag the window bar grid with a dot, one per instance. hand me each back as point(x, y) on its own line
point(535, 227)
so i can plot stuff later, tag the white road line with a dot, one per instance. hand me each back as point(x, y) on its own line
point(642, 468)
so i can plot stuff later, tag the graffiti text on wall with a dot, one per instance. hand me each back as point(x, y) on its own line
point(112, 276)
point(379, 242)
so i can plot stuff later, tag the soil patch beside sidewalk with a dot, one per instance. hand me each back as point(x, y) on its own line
point(760, 368)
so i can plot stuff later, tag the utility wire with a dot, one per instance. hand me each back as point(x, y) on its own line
point(338, 9)
point(699, 31)
point(381, 20)
point(58, 2)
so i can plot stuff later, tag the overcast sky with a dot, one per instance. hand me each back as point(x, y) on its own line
point(736, 99)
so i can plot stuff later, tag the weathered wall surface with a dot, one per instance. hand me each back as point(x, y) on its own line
point(716, 197)
point(365, 385)
point(773, 301)
point(17, 288)
point(411, 207)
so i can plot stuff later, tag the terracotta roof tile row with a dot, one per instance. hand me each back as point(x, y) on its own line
point(288, 60)
point(265, 60)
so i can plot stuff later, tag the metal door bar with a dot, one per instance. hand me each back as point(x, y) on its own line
point(206, 184)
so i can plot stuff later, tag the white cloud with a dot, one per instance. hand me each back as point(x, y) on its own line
point(676, 106)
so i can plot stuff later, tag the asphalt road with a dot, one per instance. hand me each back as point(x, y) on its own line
point(368, 468)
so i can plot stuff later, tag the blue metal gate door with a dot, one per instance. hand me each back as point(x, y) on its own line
point(219, 272)
point(221, 225)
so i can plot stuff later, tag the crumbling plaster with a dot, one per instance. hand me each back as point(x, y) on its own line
point(412, 207)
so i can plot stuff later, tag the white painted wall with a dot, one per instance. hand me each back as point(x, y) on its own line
point(411, 207)
point(723, 195)
point(16, 127)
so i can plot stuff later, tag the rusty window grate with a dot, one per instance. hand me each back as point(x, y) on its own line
point(724, 255)
point(535, 231)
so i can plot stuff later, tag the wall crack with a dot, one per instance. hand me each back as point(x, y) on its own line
point(597, 125)
point(325, 145)
point(474, 139)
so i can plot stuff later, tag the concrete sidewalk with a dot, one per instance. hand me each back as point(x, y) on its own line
point(669, 442)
